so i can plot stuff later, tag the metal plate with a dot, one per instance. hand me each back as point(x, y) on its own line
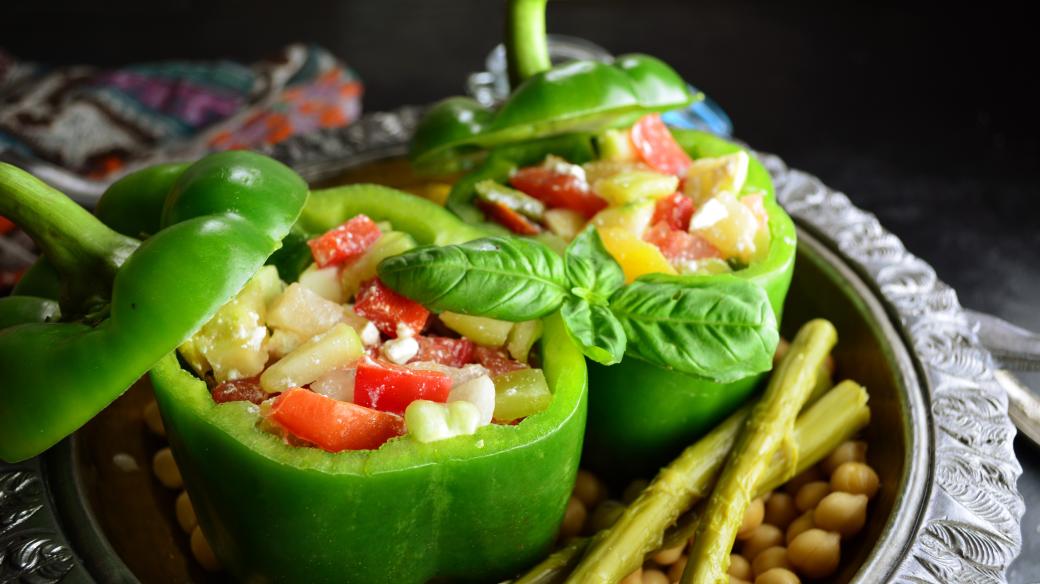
point(940, 437)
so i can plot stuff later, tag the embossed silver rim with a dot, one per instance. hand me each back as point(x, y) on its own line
point(962, 525)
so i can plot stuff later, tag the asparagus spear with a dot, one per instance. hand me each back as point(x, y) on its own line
point(770, 426)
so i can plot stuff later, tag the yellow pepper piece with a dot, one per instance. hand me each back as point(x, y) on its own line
point(635, 256)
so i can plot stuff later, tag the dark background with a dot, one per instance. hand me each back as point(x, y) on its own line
point(924, 115)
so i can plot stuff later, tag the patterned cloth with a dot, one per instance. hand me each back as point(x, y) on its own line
point(79, 128)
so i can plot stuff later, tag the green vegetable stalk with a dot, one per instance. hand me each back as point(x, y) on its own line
point(770, 426)
point(613, 553)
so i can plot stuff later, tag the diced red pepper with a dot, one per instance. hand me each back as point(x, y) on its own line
point(344, 243)
point(558, 190)
point(390, 388)
point(333, 425)
point(508, 218)
point(496, 361)
point(657, 148)
point(679, 245)
point(388, 309)
point(247, 389)
point(445, 350)
point(675, 210)
point(5, 225)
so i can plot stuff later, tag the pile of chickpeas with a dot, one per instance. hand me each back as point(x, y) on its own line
point(165, 469)
point(791, 533)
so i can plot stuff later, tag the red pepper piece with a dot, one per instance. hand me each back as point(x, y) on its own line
point(247, 389)
point(508, 218)
point(388, 309)
point(657, 148)
point(496, 361)
point(445, 350)
point(558, 189)
point(675, 210)
point(5, 225)
point(344, 243)
point(679, 245)
point(390, 388)
point(333, 425)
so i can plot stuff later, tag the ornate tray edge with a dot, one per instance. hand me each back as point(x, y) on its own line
point(968, 531)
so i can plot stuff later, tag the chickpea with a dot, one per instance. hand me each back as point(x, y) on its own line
point(633, 578)
point(735, 580)
point(604, 515)
point(655, 577)
point(739, 567)
point(765, 536)
point(856, 478)
point(153, 420)
point(778, 576)
point(185, 512)
point(633, 490)
point(573, 518)
point(810, 495)
point(203, 552)
point(752, 518)
point(669, 556)
point(780, 510)
point(675, 572)
point(809, 475)
point(589, 489)
point(767, 559)
point(849, 451)
point(803, 523)
point(815, 553)
point(841, 512)
point(165, 469)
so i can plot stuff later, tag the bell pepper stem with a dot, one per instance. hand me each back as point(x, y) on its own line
point(527, 50)
point(83, 250)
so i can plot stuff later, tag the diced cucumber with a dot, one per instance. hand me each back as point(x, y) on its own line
point(728, 225)
point(522, 338)
point(707, 177)
point(520, 393)
point(634, 218)
point(635, 185)
point(564, 223)
point(430, 421)
point(495, 192)
point(303, 312)
point(337, 348)
point(479, 392)
point(479, 329)
point(324, 282)
point(615, 145)
point(391, 243)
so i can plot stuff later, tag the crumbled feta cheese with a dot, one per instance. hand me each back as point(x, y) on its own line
point(400, 350)
point(369, 334)
point(404, 330)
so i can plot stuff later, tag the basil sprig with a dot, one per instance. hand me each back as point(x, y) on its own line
point(719, 327)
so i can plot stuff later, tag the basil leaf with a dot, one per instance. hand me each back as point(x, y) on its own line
point(593, 272)
point(508, 278)
point(722, 327)
point(596, 329)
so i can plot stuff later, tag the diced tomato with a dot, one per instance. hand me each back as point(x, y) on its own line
point(388, 309)
point(754, 202)
point(247, 389)
point(344, 243)
point(508, 218)
point(390, 388)
point(679, 245)
point(5, 225)
point(558, 190)
point(675, 210)
point(657, 148)
point(333, 425)
point(445, 350)
point(496, 361)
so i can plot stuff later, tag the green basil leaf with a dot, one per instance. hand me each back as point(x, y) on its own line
point(508, 278)
point(593, 272)
point(596, 329)
point(722, 327)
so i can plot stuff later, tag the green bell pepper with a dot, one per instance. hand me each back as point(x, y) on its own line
point(578, 96)
point(125, 304)
point(471, 508)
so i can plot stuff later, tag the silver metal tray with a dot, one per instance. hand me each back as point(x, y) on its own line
point(941, 432)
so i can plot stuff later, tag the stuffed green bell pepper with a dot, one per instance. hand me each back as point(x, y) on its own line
point(678, 205)
point(334, 430)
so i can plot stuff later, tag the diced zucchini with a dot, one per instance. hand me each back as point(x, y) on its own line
point(337, 384)
point(282, 342)
point(601, 169)
point(430, 421)
point(391, 243)
point(728, 225)
point(520, 393)
point(324, 282)
point(303, 312)
point(635, 185)
point(707, 177)
point(479, 329)
point(336, 348)
point(615, 145)
point(564, 223)
point(522, 338)
point(634, 218)
point(495, 192)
